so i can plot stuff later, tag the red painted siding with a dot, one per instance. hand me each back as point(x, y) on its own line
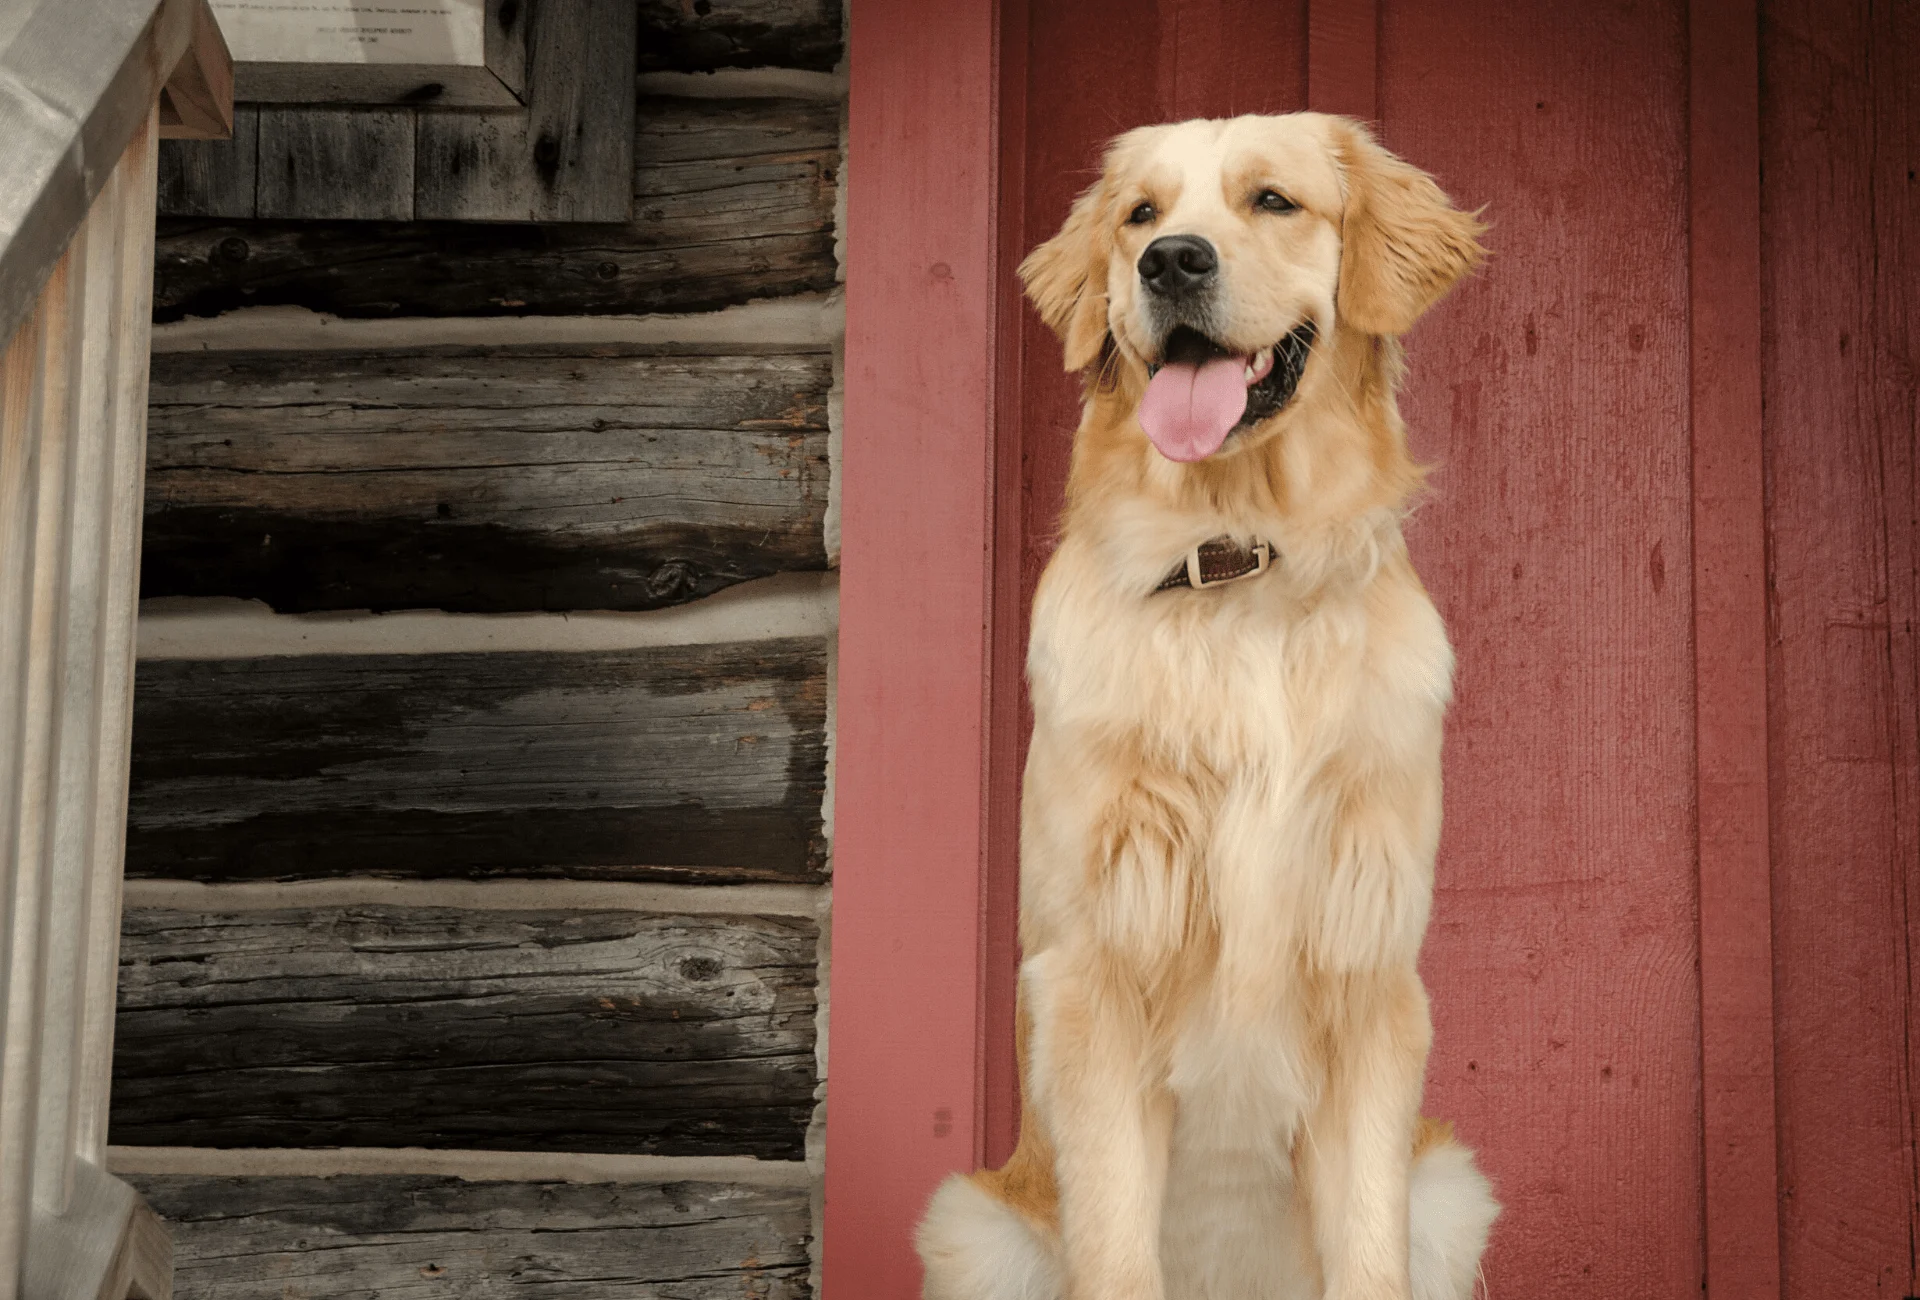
point(916, 488)
point(1551, 393)
point(1672, 955)
point(1740, 1177)
point(1841, 142)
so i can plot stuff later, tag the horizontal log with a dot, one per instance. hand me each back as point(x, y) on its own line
point(701, 764)
point(483, 480)
point(394, 1237)
point(733, 199)
point(482, 1030)
point(678, 37)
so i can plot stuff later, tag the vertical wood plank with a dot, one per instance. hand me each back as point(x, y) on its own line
point(1343, 57)
point(1840, 145)
point(212, 178)
point(506, 44)
point(1551, 392)
point(914, 599)
point(999, 1097)
point(568, 155)
point(343, 164)
point(124, 421)
point(1740, 1183)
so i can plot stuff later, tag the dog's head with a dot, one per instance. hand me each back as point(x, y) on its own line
point(1217, 259)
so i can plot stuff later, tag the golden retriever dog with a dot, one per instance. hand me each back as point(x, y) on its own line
point(1232, 799)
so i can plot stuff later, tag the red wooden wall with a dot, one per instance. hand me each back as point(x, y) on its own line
point(1673, 531)
point(1841, 276)
point(1592, 404)
point(1552, 393)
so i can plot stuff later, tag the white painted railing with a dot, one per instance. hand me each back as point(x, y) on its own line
point(83, 90)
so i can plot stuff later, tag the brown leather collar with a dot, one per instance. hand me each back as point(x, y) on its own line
point(1218, 562)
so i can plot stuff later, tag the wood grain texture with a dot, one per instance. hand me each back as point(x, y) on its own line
point(701, 763)
point(911, 743)
point(350, 164)
point(560, 158)
point(1840, 146)
point(392, 1237)
point(733, 199)
point(676, 36)
point(1552, 393)
point(483, 479)
point(479, 1030)
point(212, 178)
point(197, 101)
point(1343, 57)
point(506, 44)
point(1738, 1113)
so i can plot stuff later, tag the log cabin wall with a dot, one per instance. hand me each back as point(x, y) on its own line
point(480, 823)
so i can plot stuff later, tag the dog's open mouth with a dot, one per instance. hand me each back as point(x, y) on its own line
point(1201, 392)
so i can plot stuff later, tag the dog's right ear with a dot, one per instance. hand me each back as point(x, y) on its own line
point(1066, 278)
point(1403, 243)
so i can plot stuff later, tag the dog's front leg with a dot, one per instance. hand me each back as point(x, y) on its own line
point(1110, 1121)
point(1358, 1147)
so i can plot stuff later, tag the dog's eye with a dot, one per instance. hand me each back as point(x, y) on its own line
point(1141, 215)
point(1274, 201)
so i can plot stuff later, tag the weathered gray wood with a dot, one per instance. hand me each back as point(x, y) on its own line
point(212, 178)
point(561, 158)
point(395, 1237)
point(676, 36)
point(483, 479)
point(394, 1027)
point(506, 39)
point(367, 84)
point(347, 164)
point(732, 200)
point(696, 763)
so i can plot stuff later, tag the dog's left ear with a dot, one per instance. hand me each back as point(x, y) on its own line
point(1066, 278)
point(1402, 242)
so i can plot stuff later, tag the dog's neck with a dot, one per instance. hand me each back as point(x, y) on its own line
point(1320, 482)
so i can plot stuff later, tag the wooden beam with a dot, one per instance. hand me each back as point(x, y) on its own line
point(381, 1026)
point(676, 37)
point(415, 1235)
point(1730, 655)
point(916, 590)
point(196, 103)
point(733, 200)
point(695, 764)
point(484, 480)
point(1343, 57)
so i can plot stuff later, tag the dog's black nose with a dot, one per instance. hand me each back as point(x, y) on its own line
point(1175, 264)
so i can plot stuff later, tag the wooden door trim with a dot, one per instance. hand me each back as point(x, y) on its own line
point(1739, 1146)
point(906, 1099)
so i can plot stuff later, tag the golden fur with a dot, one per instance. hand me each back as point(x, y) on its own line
point(1232, 797)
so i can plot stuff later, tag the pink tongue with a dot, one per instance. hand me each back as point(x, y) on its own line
point(1189, 410)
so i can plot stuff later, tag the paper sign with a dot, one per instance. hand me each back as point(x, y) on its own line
point(436, 32)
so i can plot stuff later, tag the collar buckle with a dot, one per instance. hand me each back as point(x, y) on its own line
point(1259, 552)
point(1230, 561)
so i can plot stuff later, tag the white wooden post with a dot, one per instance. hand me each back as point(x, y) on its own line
point(73, 421)
point(78, 228)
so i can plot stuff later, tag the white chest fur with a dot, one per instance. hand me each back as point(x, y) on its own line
point(1256, 763)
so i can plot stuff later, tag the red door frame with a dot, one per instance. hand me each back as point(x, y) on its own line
point(905, 1105)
